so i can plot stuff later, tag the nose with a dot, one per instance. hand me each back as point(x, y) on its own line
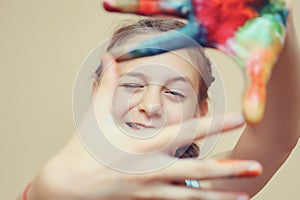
point(151, 102)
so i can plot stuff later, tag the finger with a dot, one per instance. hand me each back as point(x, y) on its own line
point(260, 53)
point(98, 120)
point(259, 67)
point(165, 191)
point(187, 36)
point(202, 170)
point(178, 8)
point(254, 103)
point(255, 95)
point(178, 135)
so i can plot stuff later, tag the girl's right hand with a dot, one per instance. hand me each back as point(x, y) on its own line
point(74, 174)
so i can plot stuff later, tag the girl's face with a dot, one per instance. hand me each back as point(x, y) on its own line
point(156, 91)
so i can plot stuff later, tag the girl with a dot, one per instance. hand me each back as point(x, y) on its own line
point(145, 102)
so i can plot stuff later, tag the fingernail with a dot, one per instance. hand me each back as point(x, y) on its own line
point(253, 169)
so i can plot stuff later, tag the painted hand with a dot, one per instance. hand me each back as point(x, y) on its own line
point(250, 31)
point(75, 174)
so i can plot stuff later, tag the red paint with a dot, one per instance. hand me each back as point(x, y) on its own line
point(26, 191)
point(250, 173)
point(222, 18)
point(110, 8)
point(149, 7)
point(256, 68)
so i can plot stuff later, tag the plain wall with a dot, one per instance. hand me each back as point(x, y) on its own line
point(42, 45)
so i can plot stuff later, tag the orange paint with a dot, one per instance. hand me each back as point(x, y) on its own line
point(256, 26)
point(250, 173)
point(149, 7)
point(230, 161)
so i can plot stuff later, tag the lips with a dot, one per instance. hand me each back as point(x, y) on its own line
point(138, 126)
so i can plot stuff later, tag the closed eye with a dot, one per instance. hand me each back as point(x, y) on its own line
point(132, 85)
point(174, 93)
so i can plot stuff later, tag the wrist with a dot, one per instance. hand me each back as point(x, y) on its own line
point(30, 192)
point(36, 190)
point(25, 192)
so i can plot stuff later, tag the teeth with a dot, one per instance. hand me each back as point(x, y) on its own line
point(133, 125)
point(138, 127)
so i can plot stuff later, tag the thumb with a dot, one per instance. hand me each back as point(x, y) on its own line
point(106, 85)
point(258, 68)
point(254, 103)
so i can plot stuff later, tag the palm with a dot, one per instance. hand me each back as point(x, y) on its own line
point(251, 31)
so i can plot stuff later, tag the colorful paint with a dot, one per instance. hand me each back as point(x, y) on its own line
point(251, 171)
point(250, 31)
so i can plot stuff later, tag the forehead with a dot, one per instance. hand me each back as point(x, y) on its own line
point(161, 67)
point(176, 63)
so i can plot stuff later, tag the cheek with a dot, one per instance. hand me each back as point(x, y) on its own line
point(123, 102)
point(120, 104)
point(176, 113)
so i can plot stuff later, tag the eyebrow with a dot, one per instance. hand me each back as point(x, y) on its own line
point(171, 80)
point(181, 79)
point(134, 74)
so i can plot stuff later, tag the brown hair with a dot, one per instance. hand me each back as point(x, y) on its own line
point(154, 25)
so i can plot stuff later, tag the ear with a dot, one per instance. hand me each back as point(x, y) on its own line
point(203, 109)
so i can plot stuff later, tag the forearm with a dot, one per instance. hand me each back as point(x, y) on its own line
point(25, 194)
point(273, 139)
point(279, 131)
point(281, 121)
point(31, 192)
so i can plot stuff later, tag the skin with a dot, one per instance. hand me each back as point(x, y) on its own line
point(170, 96)
point(230, 26)
point(279, 129)
point(63, 178)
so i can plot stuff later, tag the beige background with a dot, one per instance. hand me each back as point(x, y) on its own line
point(42, 44)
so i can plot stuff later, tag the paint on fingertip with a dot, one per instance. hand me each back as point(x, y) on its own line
point(254, 169)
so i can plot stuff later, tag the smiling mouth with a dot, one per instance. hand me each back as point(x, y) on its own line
point(137, 126)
